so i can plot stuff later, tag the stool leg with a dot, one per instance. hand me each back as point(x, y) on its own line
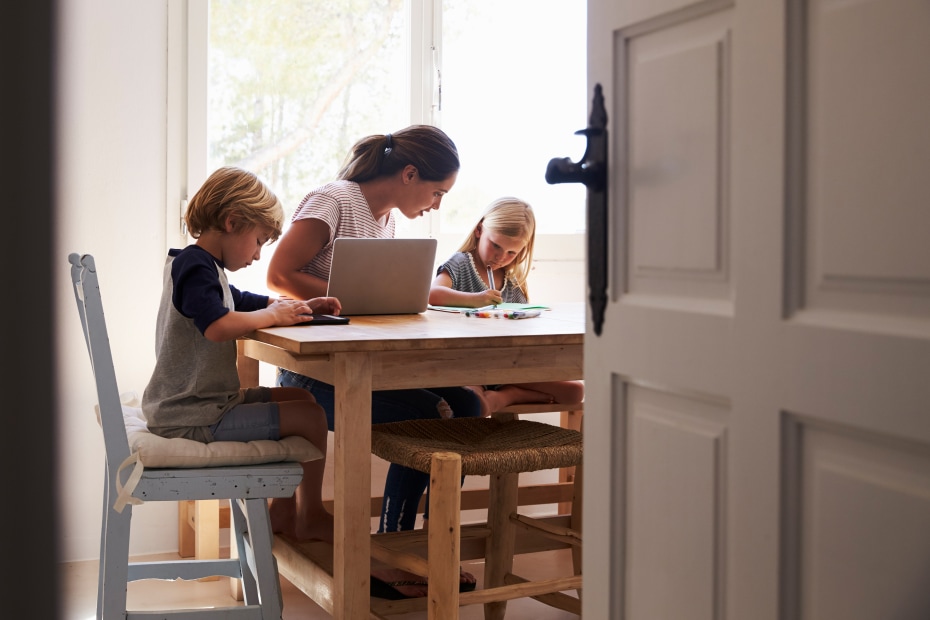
point(502, 502)
point(444, 536)
point(575, 522)
point(572, 420)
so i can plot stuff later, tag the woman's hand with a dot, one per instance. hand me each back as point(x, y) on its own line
point(325, 305)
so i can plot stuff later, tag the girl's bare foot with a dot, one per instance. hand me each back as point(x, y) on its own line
point(491, 400)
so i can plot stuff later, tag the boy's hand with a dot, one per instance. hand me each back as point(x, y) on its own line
point(289, 311)
point(325, 305)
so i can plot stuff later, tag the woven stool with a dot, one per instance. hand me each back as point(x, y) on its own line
point(501, 447)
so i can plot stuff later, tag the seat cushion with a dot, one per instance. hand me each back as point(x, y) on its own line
point(156, 451)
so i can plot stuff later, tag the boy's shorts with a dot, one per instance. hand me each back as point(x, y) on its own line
point(256, 417)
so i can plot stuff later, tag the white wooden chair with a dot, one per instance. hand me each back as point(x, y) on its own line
point(142, 466)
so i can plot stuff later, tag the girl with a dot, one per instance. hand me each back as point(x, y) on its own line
point(194, 390)
point(410, 171)
point(492, 267)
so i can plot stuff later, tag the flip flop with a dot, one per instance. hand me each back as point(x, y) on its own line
point(388, 589)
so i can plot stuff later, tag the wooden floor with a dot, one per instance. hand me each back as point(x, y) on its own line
point(79, 586)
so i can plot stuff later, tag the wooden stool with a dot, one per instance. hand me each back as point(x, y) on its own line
point(501, 447)
point(571, 415)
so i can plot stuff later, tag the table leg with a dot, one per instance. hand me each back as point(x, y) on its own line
point(352, 486)
point(246, 367)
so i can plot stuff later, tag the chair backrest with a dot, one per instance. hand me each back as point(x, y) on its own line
point(90, 309)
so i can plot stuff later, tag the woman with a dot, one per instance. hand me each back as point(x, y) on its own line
point(410, 171)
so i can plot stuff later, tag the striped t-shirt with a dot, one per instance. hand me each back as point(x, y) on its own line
point(343, 207)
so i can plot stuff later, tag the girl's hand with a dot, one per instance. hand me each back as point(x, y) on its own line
point(488, 298)
point(289, 311)
point(325, 305)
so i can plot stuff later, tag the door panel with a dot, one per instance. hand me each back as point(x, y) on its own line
point(758, 436)
point(676, 476)
point(678, 153)
point(866, 241)
point(860, 505)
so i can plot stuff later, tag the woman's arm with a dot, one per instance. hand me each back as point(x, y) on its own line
point(297, 247)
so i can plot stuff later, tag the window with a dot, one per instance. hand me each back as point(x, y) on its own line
point(292, 84)
point(513, 84)
point(285, 87)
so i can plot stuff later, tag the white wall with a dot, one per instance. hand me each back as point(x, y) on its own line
point(111, 91)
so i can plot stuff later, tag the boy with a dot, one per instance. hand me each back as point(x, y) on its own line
point(194, 390)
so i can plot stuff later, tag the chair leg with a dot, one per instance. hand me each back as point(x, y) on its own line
point(260, 558)
point(114, 559)
point(444, 536)
point(239, 536)
point(502, 502)
point(102, 571)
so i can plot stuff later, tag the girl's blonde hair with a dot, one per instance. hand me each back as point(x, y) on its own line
point(236, 194)
point(514, 218)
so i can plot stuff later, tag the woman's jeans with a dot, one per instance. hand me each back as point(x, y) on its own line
point(404, 486)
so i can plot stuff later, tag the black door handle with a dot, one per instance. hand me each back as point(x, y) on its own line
point(592, 172)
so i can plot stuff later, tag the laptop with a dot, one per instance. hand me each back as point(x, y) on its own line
point(382, 276)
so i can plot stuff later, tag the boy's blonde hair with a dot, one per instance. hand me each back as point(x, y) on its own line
point(238, 195)
point(514, 218)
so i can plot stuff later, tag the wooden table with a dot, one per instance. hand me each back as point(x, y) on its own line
point(431, 349)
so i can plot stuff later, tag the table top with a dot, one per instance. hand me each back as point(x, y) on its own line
point(564, 324)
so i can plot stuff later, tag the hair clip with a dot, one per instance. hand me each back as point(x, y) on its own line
point(388, 144)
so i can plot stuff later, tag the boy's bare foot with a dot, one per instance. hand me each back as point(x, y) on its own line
point(320, 528)
point(284, 521)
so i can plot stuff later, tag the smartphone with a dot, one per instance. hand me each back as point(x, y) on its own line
point(326, 319)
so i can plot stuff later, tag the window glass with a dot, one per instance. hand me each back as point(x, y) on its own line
point(513, 95)
point(294, 83)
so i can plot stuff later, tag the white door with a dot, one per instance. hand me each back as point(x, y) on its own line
point(757, 421)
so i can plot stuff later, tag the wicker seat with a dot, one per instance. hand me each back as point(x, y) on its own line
point(500, 447)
